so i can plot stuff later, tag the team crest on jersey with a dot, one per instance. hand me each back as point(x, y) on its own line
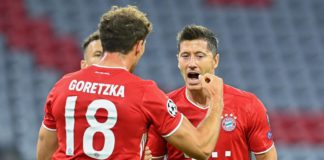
point(172, 108)
point(229, 122)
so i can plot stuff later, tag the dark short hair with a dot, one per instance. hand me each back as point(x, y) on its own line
point(194, 32)
point(122, 27)
point(93, 37)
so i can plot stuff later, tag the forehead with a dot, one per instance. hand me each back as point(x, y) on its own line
point(95, 44)
point(93, 47)
point(193, 46)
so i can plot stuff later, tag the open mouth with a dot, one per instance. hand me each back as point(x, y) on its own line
point(193, 75)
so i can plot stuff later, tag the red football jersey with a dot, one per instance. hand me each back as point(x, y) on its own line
point(244, 129)
point(104, 113)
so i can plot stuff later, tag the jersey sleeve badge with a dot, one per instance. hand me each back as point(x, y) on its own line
point(172, 108)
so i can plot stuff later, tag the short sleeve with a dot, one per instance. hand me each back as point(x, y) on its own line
point(49, 121)
point(161, 111)
point(259, 135)
point(156, 143)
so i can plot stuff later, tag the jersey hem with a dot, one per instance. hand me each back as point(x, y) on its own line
point(175, 129)
point(267, 150)
point(50, 129)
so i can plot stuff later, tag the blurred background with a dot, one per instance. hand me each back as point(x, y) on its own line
point(273, 48)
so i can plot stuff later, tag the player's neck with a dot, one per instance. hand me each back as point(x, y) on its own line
point(197, 97)
point(115, 59)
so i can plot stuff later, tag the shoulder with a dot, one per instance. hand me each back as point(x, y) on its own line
point(146, 85)
point(137, 81)
point(177, 92)
point(57, 88)
point(177, 95)
point(130, 77)
point(238, 93)
point(148, 90)
point(65, 78)
point(68, 75)
point(152, 88)
point(242, 98)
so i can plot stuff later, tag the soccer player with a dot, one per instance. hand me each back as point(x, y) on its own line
point(92, 55)
point(104, 111)
point(245, 125)
point(92, 50)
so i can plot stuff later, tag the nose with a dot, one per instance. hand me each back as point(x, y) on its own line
point(192, 63)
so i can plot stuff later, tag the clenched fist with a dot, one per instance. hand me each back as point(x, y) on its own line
point(212, 87)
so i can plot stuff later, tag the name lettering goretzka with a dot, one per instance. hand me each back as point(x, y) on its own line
point(97, 88)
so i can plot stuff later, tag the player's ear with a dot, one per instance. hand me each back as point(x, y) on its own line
point(216, 60)
point(83, 64)
point(139, 47)
point(178, 60)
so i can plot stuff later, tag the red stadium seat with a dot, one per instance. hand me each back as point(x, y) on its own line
point(303, 127)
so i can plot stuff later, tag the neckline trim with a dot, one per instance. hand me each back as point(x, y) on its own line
point(100, 66)
point(193, 103)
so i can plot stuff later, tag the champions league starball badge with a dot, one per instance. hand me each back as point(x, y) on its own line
point(229, 122)
point(172, 108)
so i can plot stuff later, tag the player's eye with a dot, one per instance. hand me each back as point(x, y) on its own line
point(98, 54)
point(184, 56)
point(199, 56)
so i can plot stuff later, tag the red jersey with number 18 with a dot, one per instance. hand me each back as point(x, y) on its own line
point(244, 126)
point(104, 113)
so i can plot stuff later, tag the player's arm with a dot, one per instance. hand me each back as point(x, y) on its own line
point(47, 144)
point(47, 138)
point(259, 132)
point(199, 142)
point(270, 155)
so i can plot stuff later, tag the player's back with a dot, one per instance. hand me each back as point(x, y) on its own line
point(98, 113)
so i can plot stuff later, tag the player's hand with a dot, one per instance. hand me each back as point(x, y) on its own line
point(212, 87)
point(147, 154)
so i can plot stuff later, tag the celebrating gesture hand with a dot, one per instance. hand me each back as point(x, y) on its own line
point(213, 89)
